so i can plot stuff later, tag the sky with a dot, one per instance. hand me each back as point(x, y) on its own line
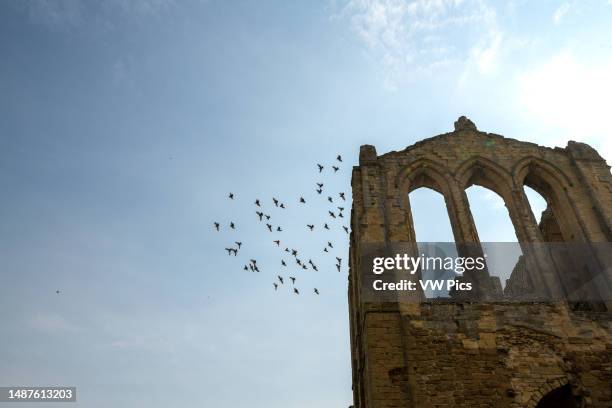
point(125, 124)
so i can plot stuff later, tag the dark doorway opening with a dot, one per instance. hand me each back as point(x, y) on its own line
point(558, 398)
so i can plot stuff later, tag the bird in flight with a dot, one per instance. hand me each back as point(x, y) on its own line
point(329, 244)
point(310, 226)
point(279, 229)
point(231, 196)
point(292, 279)
point(277, 242)
point(294, 252)
point(269, 227)
point(267, 217)
point(339, 158)
point(246, 268)
point(341, 208)
point(257, 203)
point(331, 214)
point(330, 199)
point(320, 185)
point(302, 200)
point(239, 244)
point(315, 267)
point(338, 267)
point(275, 285)
point(232, 225)
point(230, 250)
point(316, 291)
point(282, 206)
point(319, 191)
point(345, 229)
point(216, 224)
point(260, 215)
point(283, 262)
point(320, 167)
point(340, 215)
point(275, 201)
point(280, 278)
point(57, 292)
point(335, 168)
point(297, 292)
point(326, 226)
point(342, 196)
point(325, 249)
point(339, 260)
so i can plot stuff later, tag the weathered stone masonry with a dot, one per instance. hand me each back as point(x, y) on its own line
point(543, 350)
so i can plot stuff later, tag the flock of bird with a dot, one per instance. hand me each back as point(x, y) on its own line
point(336, 213)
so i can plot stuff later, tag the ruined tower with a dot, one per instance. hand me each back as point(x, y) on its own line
point(545, 339)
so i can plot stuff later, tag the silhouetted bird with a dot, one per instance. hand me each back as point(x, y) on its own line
point(339, 158)
point(297, 292)
point(310, 226)
point(335, 168)
point(257, 203)
point(232, 226)
point(326, 226)
point(304, 266)
point(340, 208)
point(338, 266)
point(292, 279)
point(246, 268)
point(329, 244)
point(320, 167)
point(315, 267)
point(279, 229)
point(342, 196)
point(298, 261)
point(325, 249)
point(319, 191)
point(302, 200)
point(256, 268)
point(231, 196)
point(239, 244)
point(260, 215)
point(282, 205)
point(316, 291)
point(286, 249)
point(340, 215)
point(269, 227)
point(320, 185)
point(339, 260)
point(229, 250)
point(251, 268)
point(283, 262)
point(267, 217)
point(57, 292)
point(253, 261)
point(277, 242)
point(345, 229)
point(216, 224)
point(275, 285)
point(275, 201)
point(294, 252)
point(280, 278)
point(331, 214)
point(330, 199)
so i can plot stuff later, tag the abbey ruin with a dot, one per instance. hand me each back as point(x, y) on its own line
point(544, 338)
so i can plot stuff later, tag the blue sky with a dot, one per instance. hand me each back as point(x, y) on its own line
point(126, 123)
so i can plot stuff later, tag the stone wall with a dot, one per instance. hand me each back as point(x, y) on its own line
point(485, 352)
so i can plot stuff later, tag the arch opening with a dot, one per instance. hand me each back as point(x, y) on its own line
point(558, 398)
point(497, 233)
point(433, 231)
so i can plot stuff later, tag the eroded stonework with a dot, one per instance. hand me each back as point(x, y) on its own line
point(486, 351)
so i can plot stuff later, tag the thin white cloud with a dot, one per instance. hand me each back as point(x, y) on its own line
point(51, 323)
point(416, 37)
point(560, 12)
